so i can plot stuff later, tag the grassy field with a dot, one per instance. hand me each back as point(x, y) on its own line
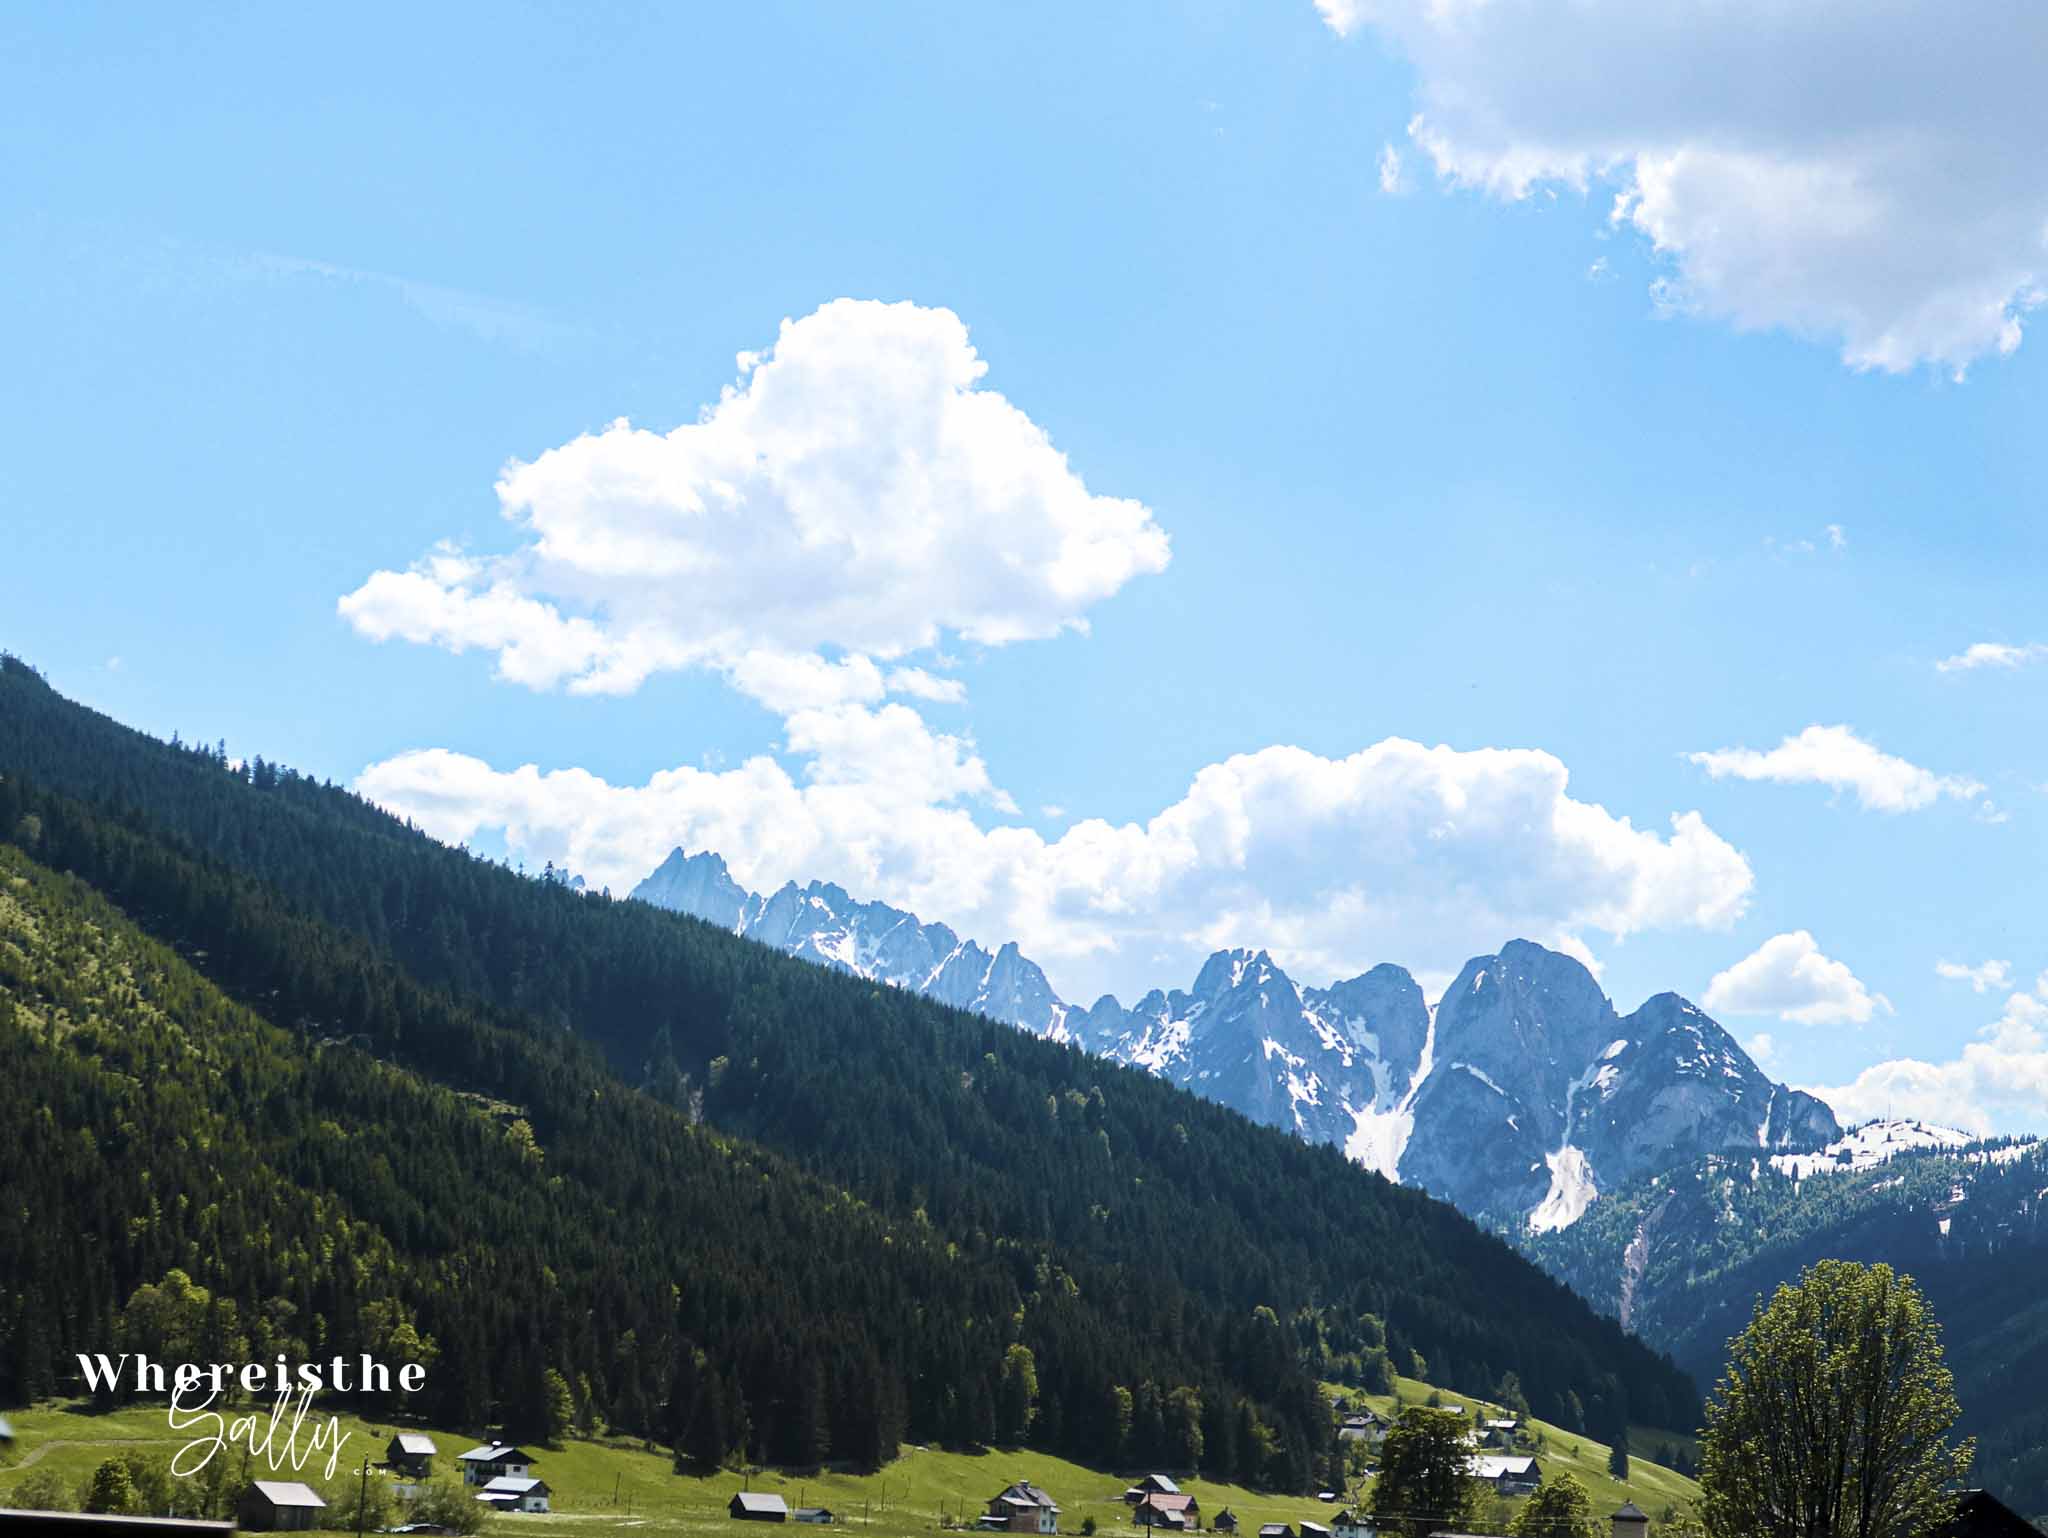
point(606, 1484)
point(1650, 1485)
point(617, 1484)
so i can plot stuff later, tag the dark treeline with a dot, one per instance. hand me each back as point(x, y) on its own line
point(1168, 1267)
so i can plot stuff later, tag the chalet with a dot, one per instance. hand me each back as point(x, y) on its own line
point(279, 1506)
point(411, 1454)
point(1024, 1508)
point(818, 1516)
point(1500, 1433)
point(1275, 1530)
point(1979, 1514)
point(515, 1492)
point(1508, 1476)
point(1314, 1530)
point(1350, 1523)
point(1226, 1521)
point(1363, 1426)
point(1176, 1512)
point(754, 1506)
point(6, 1431)
point(1158, 1484)
point(1631, 1521)
point(494, 1460)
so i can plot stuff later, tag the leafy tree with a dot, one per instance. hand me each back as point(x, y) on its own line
point(1559, 1509)
point(447, 1504)
point(1833, 1417)
point(110, 1489)
point(355, 1504)
point(1425, 1485)
point(40, 1490)
point(1019, 1394)
point(558, 1406)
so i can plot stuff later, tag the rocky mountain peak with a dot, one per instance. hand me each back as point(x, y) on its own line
point(1520, 1098)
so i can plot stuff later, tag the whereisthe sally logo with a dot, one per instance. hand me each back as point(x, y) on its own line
point(194, 1388)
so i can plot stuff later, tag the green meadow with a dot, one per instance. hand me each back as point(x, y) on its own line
point(603, 1484)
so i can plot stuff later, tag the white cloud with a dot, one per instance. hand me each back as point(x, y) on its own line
point(1392, 180)
point(1425, 854)
point(1762, 1049)
point(1837, 540)
point(1992, 654)
point(857, 490)
point(1865, 173)
point(1998, 1083)
point(919, 684)
point(1982, 978)
point(1836, 757)
point(1787, 976)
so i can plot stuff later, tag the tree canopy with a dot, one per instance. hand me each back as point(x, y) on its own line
point(1833, 1418)
point(1425, 1483)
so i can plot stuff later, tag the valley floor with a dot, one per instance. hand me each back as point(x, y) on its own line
point(602, 1485)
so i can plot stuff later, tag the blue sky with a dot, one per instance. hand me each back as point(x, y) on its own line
point(1474, 416)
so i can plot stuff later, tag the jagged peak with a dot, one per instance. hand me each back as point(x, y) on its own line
point(704, 859)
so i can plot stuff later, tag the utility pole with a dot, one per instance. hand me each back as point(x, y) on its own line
point(363, 1497)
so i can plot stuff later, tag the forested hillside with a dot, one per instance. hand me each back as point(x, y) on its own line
point(555, 1106)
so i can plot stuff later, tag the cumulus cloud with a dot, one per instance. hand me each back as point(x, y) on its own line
point(1864, 173)
point(1982, 978)
point(1992, 654)
point(1393, 180)
point(1787, 976)
point(1997, 1083)
point(1836, 757)
point(856, 491)
point(1399, 850)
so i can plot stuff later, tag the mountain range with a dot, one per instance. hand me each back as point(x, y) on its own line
point(1644, 1160)
point(1519, 1096)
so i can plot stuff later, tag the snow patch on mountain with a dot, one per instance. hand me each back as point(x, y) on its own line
point(1571, 1191)
point(1870, 1145)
